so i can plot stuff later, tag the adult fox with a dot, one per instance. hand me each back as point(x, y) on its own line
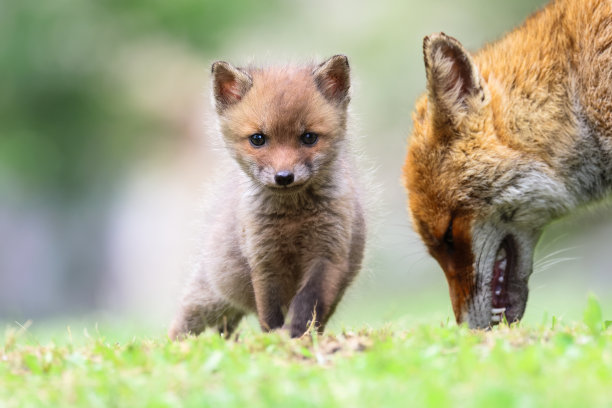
point(505, 141)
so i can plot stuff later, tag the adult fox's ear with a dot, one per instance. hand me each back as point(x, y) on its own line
point(230, 84)
point(333, 79)
point(454, 84)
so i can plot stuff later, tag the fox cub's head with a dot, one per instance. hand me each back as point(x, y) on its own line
point(478, 201)
point(283, 125)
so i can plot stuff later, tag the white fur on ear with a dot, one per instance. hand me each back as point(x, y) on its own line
point(453, 81)
point(230, 84)
point(333, 79)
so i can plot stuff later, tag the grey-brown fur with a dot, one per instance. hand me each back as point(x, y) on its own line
point(287, 255)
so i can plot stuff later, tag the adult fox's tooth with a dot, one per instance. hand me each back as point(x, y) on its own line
point(501, 254)
point(498, 310)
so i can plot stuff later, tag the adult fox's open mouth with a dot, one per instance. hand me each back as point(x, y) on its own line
point(504, 283)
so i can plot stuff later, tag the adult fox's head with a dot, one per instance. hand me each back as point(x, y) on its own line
point(478, 196)
point(283, 125)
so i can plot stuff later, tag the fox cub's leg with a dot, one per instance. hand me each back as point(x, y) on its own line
point(316, 301)
point(268, 298)
point(202, 308)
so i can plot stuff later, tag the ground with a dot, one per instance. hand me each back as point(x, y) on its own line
point(554, 364)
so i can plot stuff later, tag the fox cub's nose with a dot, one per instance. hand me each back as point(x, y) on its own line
point(283, 178)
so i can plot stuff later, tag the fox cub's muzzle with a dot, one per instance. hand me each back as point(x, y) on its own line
point(284, 178)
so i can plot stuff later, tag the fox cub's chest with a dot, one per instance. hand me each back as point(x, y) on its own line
point(292, 236)
point(293, 233)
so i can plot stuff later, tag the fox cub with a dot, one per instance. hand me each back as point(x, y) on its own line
point(288, 230)
point(505, 141)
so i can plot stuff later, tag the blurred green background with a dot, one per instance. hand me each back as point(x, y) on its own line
point(106, 143)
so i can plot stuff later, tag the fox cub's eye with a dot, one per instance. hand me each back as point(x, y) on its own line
point(448, 235)
point(309, 138)
point(257, 139)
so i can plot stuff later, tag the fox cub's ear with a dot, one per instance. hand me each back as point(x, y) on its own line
point(333, 79)
point(230, 84)
point(454, 84)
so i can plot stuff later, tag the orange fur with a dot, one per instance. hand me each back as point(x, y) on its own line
point(505, 141)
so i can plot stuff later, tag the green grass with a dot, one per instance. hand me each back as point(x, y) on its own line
point(554, 364)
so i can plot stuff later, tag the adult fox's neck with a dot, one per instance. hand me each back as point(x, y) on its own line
point(533, 76)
